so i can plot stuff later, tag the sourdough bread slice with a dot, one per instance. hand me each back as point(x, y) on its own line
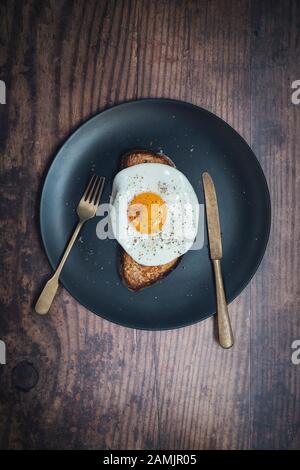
point(134, 275)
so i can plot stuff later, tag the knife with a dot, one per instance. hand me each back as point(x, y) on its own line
point(215, 248)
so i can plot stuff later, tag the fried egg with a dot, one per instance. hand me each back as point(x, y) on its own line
point(154, 213)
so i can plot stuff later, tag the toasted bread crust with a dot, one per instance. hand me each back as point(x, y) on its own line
point(134, 275)
point(137, 157)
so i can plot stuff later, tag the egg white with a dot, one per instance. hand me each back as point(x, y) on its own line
point(180, 229)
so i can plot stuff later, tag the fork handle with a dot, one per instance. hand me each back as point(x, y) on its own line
point(69, 248)
point(224, 325)
point(48, 293)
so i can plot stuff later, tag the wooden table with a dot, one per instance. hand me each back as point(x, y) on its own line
point(73, 380)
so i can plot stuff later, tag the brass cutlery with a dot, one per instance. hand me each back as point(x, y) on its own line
point(86, 209)
point(215, 247)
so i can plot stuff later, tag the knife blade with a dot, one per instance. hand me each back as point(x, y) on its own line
point(212, 215)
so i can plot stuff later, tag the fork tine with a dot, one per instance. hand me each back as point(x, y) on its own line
point(94, 189)
point(91, 192)
point(86, 192)
point(98, 191)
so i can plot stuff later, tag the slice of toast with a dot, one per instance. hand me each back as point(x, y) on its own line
point(134, 275)
point(143, 156)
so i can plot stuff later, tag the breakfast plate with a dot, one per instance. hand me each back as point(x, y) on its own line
point(197, 141)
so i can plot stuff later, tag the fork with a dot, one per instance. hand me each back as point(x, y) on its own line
point(86, 210)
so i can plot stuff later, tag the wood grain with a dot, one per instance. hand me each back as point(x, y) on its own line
point(275, 299)
point(199, 386)
point(73, 380)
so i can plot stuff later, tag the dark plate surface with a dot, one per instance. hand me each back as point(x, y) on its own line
point(197, 141)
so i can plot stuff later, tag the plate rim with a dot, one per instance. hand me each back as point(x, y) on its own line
point(192, 106)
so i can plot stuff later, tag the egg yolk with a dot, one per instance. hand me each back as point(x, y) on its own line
point(147, 212)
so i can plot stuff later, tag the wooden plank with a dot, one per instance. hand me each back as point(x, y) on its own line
point(275, 304)
point(200, 52)
point(71, 379)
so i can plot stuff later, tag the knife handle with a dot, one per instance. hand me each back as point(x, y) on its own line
point(224, 325)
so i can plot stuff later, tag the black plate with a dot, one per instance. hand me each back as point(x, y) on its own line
point(197, 141)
